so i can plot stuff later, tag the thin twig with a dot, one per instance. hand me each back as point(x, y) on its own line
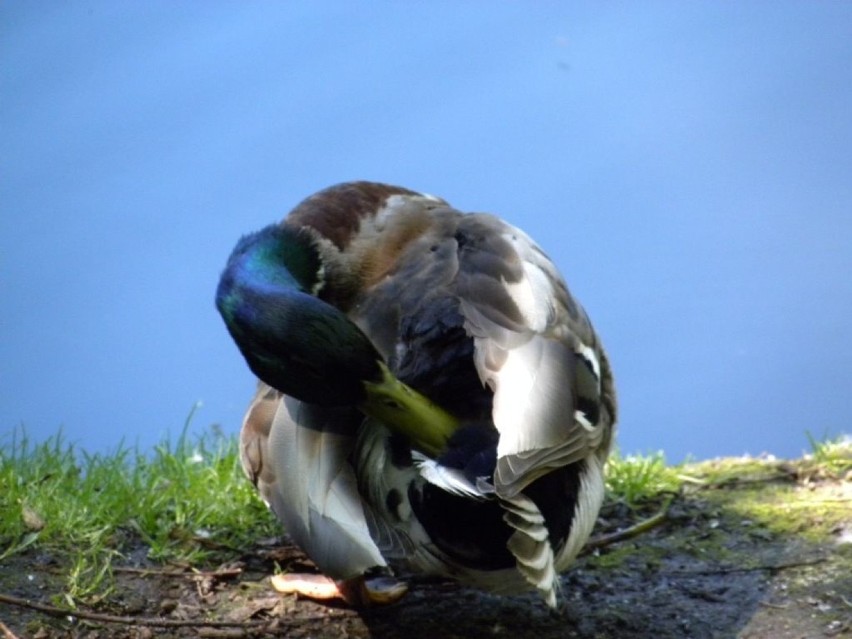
point(200, 574)
point(731, 569)
point(628, 533)
point(223, 633)
point(130, 621)
point(7, 633)
point(739, 481)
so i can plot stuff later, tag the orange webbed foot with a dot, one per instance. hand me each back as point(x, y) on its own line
point(357, 592)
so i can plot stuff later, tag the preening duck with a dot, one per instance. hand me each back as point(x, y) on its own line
point(432, 399)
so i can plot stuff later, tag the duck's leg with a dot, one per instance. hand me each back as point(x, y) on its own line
point(358, 592)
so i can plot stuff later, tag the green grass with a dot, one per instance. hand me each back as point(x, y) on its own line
point(187, 501)
point(637, 478)
point(833, 455)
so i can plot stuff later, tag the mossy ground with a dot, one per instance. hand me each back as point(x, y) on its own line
point(749, 548)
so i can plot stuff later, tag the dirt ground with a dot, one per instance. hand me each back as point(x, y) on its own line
point(756, 556)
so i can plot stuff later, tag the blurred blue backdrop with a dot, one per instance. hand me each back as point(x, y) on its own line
point(687, 165)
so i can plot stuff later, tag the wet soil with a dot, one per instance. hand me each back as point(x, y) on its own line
point(751, 552)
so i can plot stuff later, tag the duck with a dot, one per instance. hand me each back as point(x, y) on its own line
point(431, 399)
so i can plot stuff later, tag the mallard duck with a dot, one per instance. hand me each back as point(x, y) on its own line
point(431, 398)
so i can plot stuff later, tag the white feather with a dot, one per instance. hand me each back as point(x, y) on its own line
point(532, 408)
point(449, 479)
point(591, 497)
point(315, 493)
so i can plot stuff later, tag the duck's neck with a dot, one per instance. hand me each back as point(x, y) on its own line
point(266, 272)
point(309, 349)
point(292, 340)
point(276, 257)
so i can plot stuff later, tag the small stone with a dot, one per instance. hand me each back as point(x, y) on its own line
point(168, 606)
point(32, 520)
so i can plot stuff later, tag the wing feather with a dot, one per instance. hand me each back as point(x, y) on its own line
point(299, 457)
point(535, 349)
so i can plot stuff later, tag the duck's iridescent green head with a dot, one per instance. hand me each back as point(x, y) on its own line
point(291, 339)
